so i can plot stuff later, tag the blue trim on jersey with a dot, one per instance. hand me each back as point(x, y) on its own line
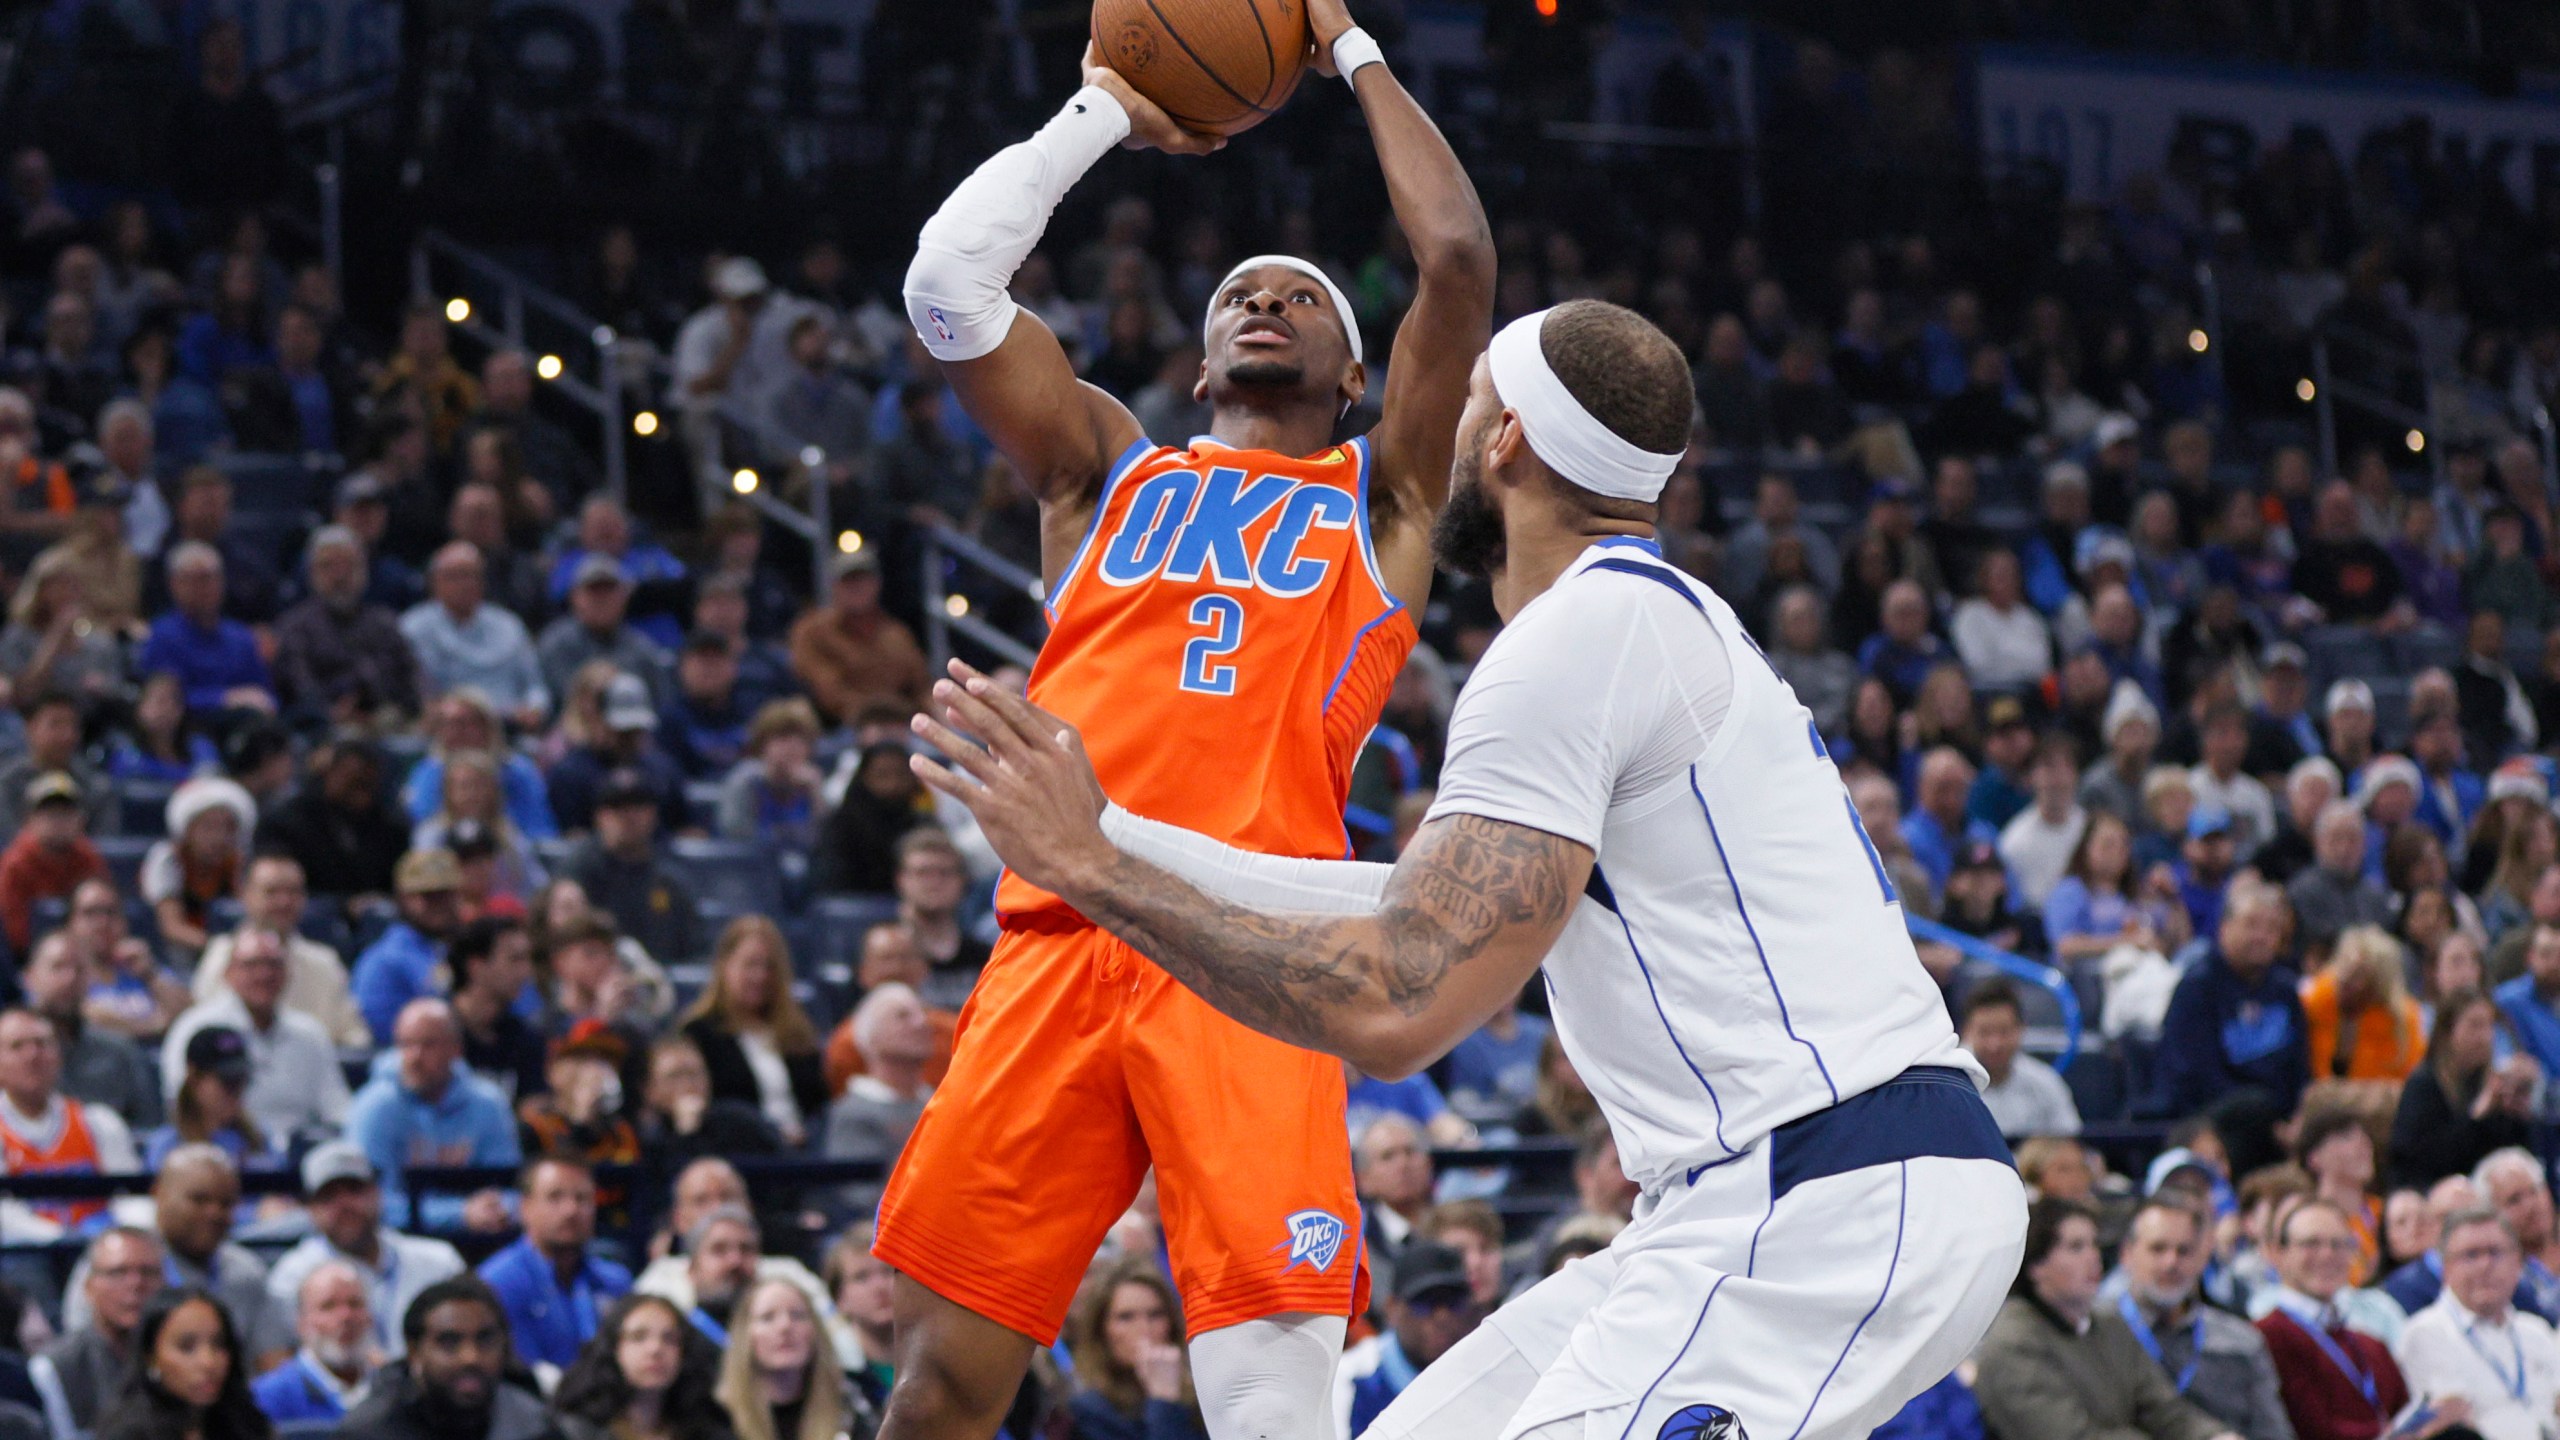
point(1138, 449)
point(1901, 1222)
point(1926, 1111)
point(1753, 931)
point(1638, 542)
point(1353, 653)
point(1695, 1326)
point(1359, 448)
point(1597, 887)
point(1751, 1261)
point(1658, 575)
point(1638, 951)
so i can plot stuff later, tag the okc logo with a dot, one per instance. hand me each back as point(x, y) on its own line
point(1315, 1237)
point(1702, 1422)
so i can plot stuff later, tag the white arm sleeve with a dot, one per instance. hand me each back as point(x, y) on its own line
point(1263, 882)
point(970, 248)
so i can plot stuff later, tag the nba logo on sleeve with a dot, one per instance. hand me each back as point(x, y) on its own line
point(1315, 1237)
point(941, 324)
point(1702, 1422)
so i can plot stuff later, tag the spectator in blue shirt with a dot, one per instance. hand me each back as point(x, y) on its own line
point(428, 1109)
point(334, 1323)
point(2449, 796)
point(1937, 828)
point(2531, 1001)
point(215, 660)
point(464, 722)
point(552, 1289)
point(2204, 867)
point(401, 966)
point(2235, 1022)
point(1496, 1068)
point(1431, 1309)
point(2000, 791)
point(1904, 651)
point(704, 726)
point(604, 528)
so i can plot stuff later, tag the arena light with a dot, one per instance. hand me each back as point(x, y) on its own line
point(2417, 442)
point(645, 423)
point(2198, 341)
point(811, 457)
point(1546, 9)
point(457, 309)
point(548, 367)
point(2305, 391)
point(956, 605)
point(744, 482)
point(849, 542)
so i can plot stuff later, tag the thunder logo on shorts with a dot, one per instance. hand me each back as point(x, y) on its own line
point(1315, 1237)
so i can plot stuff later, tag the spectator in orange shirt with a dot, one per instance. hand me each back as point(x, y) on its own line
point(889, 955)
point(50, 856)
point(425, 369)
point(850, 653)
point(40, 500)
point(2364, 1025)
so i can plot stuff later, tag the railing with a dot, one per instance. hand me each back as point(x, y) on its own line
point(2389, 360)
point(2017, 967)
point(947, 610)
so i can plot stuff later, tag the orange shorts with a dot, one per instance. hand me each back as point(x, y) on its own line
point(1077, 1065)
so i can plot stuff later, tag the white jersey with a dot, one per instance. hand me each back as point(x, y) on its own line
point(1742, 961)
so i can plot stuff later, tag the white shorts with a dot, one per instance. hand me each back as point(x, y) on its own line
point(1804, 1291)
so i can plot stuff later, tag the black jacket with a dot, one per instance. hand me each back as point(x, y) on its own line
point(393, 1411)
point(733, 1079)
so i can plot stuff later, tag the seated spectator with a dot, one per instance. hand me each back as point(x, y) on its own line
point(52, 721)
point(2363, 1024)
point(626, 872)
point(2055, 1364)
point(2038, 842)
point(453, 1379)
point(2005, 645)
point(1938, 827)
point(2130, 730)
point(194, 1375)
point(336, 655)
point(345, 1199)
point(335, 1358)
point(211, 1107)
point(1494, 1071)
point(932, 881)
point(427, 1111)
point(464, 722)
point(2515, 1181)
point(2220, 783)
point(129, 991)
point(192, 1200)
point(2309, 786)
point(210, 820)
point(2202, 872)
point(2217, 1360)
point(723, 1251)
point(1903, 651)
point(491, 963)
point(49, 858)
point(472, 800)
point(704, 723)
point(2333, 1147)
point(292, 1064)
point(2281, 732)
point(755, 1040)
point(872, 1119)
point(865, 1291)
point(559, 463)
point(771, 795)
point(461, 640)
point(85, 1373)
point(1392, 1169)
point(54, 644)
point(1803, 656)
point(362, 506)
point(889, 956)
point(849, 652)
point(2416, 1284)
point(2344, 573)
point(596, 972)
point(338, 823)
point(45, 1132)
point(604, 532)
point(273, 897)
point(2504, 577)
point(596, 628)
point(217, 661)
point(640, 1377)
point(578, 1116)
point(2093, 907)
point(626, 746)
point(2025, 1095)
point(2463, 1104)
point(2339, 1383)
point(402, 965)
point(2235, 1022)
point(203, 516)
point(680, 1121)
point(2334, 892)
point(550, 1283)
point(778, 1376)
point(857, 843)
point(2482, 1361)
point(1134, 1382)
point(99, 1066)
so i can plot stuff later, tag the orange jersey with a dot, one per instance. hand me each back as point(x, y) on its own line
point(1223, 640)
point(74, 1151)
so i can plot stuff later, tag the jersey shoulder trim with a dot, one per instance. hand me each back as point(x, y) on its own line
point(1139, 449)
point(1363, 454)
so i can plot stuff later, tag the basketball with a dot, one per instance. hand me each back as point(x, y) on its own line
point(1216, 66)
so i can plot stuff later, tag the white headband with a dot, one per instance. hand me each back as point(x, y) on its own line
point(1563, 434)
point(1341, 302)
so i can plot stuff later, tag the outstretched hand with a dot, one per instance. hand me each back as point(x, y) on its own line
point(1032, 788)
point(1149, 127)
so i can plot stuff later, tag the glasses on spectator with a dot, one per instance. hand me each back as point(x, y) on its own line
point(136, 1271)
point(2478, 1254)
point(2334, 1244)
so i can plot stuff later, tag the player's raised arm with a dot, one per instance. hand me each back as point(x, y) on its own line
point(1011, 374)
point(1464, 918)
point(1451, 317)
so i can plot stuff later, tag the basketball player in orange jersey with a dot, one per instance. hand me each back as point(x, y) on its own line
point(1227, 614)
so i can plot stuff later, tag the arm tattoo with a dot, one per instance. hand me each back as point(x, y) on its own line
point(1300, 977)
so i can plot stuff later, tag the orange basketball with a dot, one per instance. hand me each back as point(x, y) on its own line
point(1215, 66)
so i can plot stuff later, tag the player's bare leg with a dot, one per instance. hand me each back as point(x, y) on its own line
point(957, 1370)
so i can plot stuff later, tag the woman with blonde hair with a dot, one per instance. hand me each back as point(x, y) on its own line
point(2531, 846)
point(1945, 711)
point(581, 725)
point(464, 720)
point(53, 643)
point(755, 1039)
point(471, 791)
point(778, 1379)
point(1125, 1333)
point(2364, 1024)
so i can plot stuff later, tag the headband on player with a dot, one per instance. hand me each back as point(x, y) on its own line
point(1563, 434)
point(1341, 302)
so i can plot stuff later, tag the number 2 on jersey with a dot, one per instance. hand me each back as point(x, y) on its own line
point(1201, 674)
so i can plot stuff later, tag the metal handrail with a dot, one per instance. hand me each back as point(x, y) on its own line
point(2017, 967)
point(945, 612)
point(2328, 390)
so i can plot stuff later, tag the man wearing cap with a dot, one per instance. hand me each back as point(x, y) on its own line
point(849, 652)
point(402, 965)
point(2000, 792)
point(286, 1058)
point(336, 654)
point(596, 628)
point(461, 640)
point(734, 349)
point(52, 720)
point(627, 874)
point(2203, 868)
point(362, 506)
point(1432, 1309)
point(193, 1199)
point(345, 1201)
point(629, 743)
point(49, 856)
point(2281, 730)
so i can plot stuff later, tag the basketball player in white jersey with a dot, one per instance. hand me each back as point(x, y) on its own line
point(1633, 797)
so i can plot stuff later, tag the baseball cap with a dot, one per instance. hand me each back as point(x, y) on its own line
point(333, 1162)
point(469, 839)
point(2099, 546)
point(1980, 855)
point(1892, 487)
point(362, 488)
point(591, 1037)
point(2387, 770)
point(738, 277)
point(625, 786)
point(2003, 712)
point(627, 705)
point(2285, 652)
point(2114, 428)
point(425, 872)
point(2519, 777)
point(53, 787)
point(1426, 1268)
point(2350, 695)
point(2207, 822)
point(597, 569)
point(860, 562)
point(220, 1051)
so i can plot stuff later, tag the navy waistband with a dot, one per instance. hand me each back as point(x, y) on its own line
point(1927, 1110)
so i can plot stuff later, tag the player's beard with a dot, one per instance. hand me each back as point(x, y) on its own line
point(1266, 375)
point(1467, 538)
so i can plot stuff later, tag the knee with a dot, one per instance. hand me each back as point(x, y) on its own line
point(931, 1398)
point(1268, 1416)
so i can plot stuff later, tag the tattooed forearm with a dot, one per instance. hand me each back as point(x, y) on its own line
point(1314, 980)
